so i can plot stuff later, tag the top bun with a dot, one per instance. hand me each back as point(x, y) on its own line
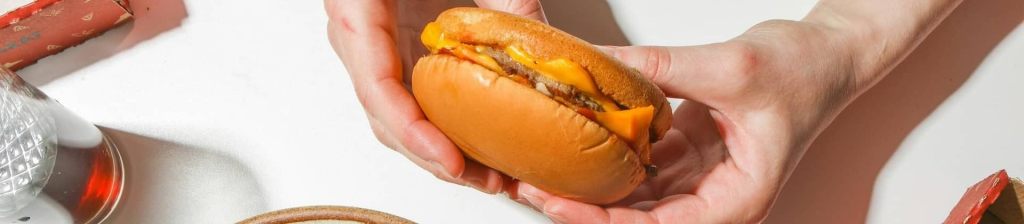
point(619, 82)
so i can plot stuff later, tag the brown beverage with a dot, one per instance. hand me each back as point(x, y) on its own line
point(86, 178)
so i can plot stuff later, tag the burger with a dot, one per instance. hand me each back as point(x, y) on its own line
point(539, 104)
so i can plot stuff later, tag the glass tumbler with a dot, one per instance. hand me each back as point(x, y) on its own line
point(54, 166)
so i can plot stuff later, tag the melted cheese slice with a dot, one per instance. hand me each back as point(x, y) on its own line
point(563, 71)
point(435, 40)
point(629, 124)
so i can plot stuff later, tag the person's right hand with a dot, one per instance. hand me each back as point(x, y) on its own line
point(378, 41)
point(754, 105)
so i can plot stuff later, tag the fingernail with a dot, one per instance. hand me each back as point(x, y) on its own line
point(440, 169)
point(477, 184)
point(534, 200)
point(522, 201)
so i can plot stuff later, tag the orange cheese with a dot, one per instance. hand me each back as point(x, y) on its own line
point(435, 40)
point(563, 71)
point(631, 124)
point(628, 124)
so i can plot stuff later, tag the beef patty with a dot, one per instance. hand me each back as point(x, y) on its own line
point(565, 94)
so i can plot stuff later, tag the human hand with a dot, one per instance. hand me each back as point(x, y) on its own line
point(754, 105)
point(755, 102)
point(378, 41)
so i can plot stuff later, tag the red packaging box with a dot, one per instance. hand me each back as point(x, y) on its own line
point(996, 199)
point(42, 28)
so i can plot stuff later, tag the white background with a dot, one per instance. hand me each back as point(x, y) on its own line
point(227, 109)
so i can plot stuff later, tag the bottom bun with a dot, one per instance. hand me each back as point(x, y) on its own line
point(523, 133)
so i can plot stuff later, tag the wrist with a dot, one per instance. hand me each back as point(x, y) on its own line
point(865, 42)
point(880, 33)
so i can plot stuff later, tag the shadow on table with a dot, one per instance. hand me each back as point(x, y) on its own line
point(166, 182)
point(597, 27)
point(835, 180)
point(152, 17)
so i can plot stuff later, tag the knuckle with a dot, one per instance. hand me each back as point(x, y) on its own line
point(529, 8)
point(658, 63)
point(337, 17)
point(363, 95)
point(739, 68)
point(742, 58)
point(335, 10)
point(742, 64)
point(522, 6)
point(382, 135)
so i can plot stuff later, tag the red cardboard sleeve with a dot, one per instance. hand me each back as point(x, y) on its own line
point(46, 27)
point(996, 199)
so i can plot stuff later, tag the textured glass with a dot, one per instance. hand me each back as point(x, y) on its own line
point(28, 145)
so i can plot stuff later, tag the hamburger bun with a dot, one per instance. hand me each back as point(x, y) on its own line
point(525, 132)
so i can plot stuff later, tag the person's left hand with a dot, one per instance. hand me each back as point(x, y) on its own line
point(378, 42)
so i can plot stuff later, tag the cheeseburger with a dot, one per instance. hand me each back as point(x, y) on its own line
point(538, 104)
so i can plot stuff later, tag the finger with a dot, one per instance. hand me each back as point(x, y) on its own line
point(673, 209)
point(472, 175)
point(562, 210)
point(483, 178)
point(363, 35)
point(412, 17)
point(682, 208)
point(702, 73)
point(528, 8)
point(382, 135)
point(539, 199)
point(424, 141)
point(511, 190)
point(352, 27)
point(535, 196)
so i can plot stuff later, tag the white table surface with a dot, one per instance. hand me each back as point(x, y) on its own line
point(227, 109)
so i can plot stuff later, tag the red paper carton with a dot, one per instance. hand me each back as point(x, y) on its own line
point(996, 199)
point(42, 28)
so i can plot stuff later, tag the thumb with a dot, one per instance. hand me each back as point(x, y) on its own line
point(528, 8)
point(701, 73)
